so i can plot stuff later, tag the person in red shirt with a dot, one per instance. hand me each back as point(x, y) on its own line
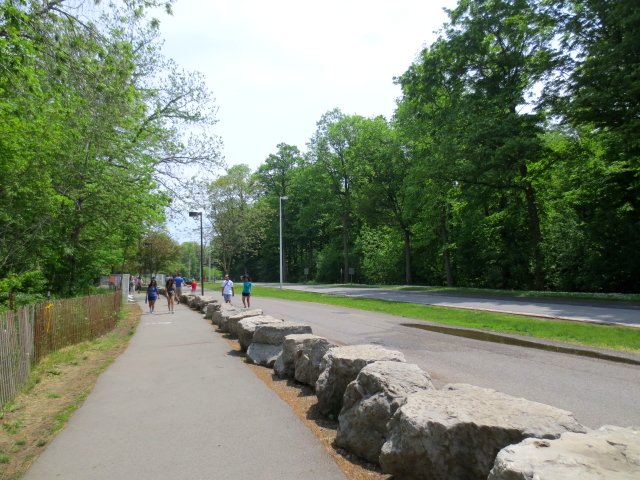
point(194, 285)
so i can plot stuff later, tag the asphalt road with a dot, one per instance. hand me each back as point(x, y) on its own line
point(598, 392)
point(627, 313)
point(177, 404)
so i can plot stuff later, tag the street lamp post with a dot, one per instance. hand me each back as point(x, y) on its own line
point(199, 214)
point(151, 262)
point(281, 259)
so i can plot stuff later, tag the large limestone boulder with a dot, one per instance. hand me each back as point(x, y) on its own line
point(204, 301)
point(285, 363)
point(247, 327)
point(162, 291)
point(273, 334)
point(456, 433)
point(216, 318)
point(226, 315)
point(308, 358)
point(340, 366)
point(607, 453)
point(211, 309)
point(194, 300)
point(263, 354)
point(184, 299)
point(234, 319)
point(371, 400)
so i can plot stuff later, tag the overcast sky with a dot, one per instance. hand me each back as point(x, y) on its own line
point(276, 66)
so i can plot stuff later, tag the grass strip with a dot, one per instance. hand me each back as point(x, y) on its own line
point(604, 336)
point(617, 297)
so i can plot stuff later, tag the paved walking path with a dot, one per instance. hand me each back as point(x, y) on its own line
point(178, 404)
point(601, 311)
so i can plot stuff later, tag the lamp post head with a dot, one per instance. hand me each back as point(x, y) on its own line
point(148, 243)
point(284, 198)
point(195, 214)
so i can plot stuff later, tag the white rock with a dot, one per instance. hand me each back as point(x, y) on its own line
point(371, 400)
point(273, 334)
point(204, 301)
point(212, 307)
point(607, 453)
point(247, 327)
point(243, 313)
point(226, 315)
point(456, 433)
point(285, 364)
point(340, 366)
point(308, 359)
point(263, 354)
point(216, 318)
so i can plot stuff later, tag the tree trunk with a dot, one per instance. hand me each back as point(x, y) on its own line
point(445, 254)
point(75, 238)
point(536, 235)
point(407, 257)
point(345, 247)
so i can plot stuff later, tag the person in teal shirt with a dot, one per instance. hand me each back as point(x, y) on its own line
point(246, 290)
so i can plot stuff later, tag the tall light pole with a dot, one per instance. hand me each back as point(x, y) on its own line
point(281, 259)
point(151, 262)
point(199, 214)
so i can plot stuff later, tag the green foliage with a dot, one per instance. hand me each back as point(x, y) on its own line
point(92, 137)
point(512, 162)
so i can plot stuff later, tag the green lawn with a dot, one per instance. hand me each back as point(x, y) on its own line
point(619, 297)
point(619, 338)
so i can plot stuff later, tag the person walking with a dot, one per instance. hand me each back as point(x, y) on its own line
point(139, 284)
point(152, 295)
point(246, 291)
point(194, 285)
point(132, 285)
point(179, 281)
point(227, 289)
point(171, 293)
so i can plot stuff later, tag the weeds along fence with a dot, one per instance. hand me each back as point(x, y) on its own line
point(34, 331)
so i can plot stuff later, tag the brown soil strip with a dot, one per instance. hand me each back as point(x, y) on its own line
point(303, 402)
point(57, 387)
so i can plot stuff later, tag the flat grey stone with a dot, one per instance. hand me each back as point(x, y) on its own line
point(244, 313)
point(371, 400)
point(340, 366)
point(308, 359)
point(263, 354)
point(216, 318)
point(607, 453)
point(285, 364)
point(274, 334)
point(456, 433)
point(247, 327)
point(212, 307)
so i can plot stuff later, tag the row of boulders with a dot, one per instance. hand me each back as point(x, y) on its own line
point(202, 303)
point(390, 413)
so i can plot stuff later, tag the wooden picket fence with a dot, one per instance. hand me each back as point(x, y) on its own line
point(34, 331)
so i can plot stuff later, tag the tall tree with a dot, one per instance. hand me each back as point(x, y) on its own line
point(331, 149)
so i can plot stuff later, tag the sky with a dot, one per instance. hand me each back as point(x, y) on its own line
point(276, 66)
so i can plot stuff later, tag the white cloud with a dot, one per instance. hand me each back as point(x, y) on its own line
point(276, 66)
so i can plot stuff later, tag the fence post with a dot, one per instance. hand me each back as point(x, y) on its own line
point(11, 300)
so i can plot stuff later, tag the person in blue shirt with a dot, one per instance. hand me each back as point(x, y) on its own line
point(152, 295)
point(179, 281)
point(246, 290)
